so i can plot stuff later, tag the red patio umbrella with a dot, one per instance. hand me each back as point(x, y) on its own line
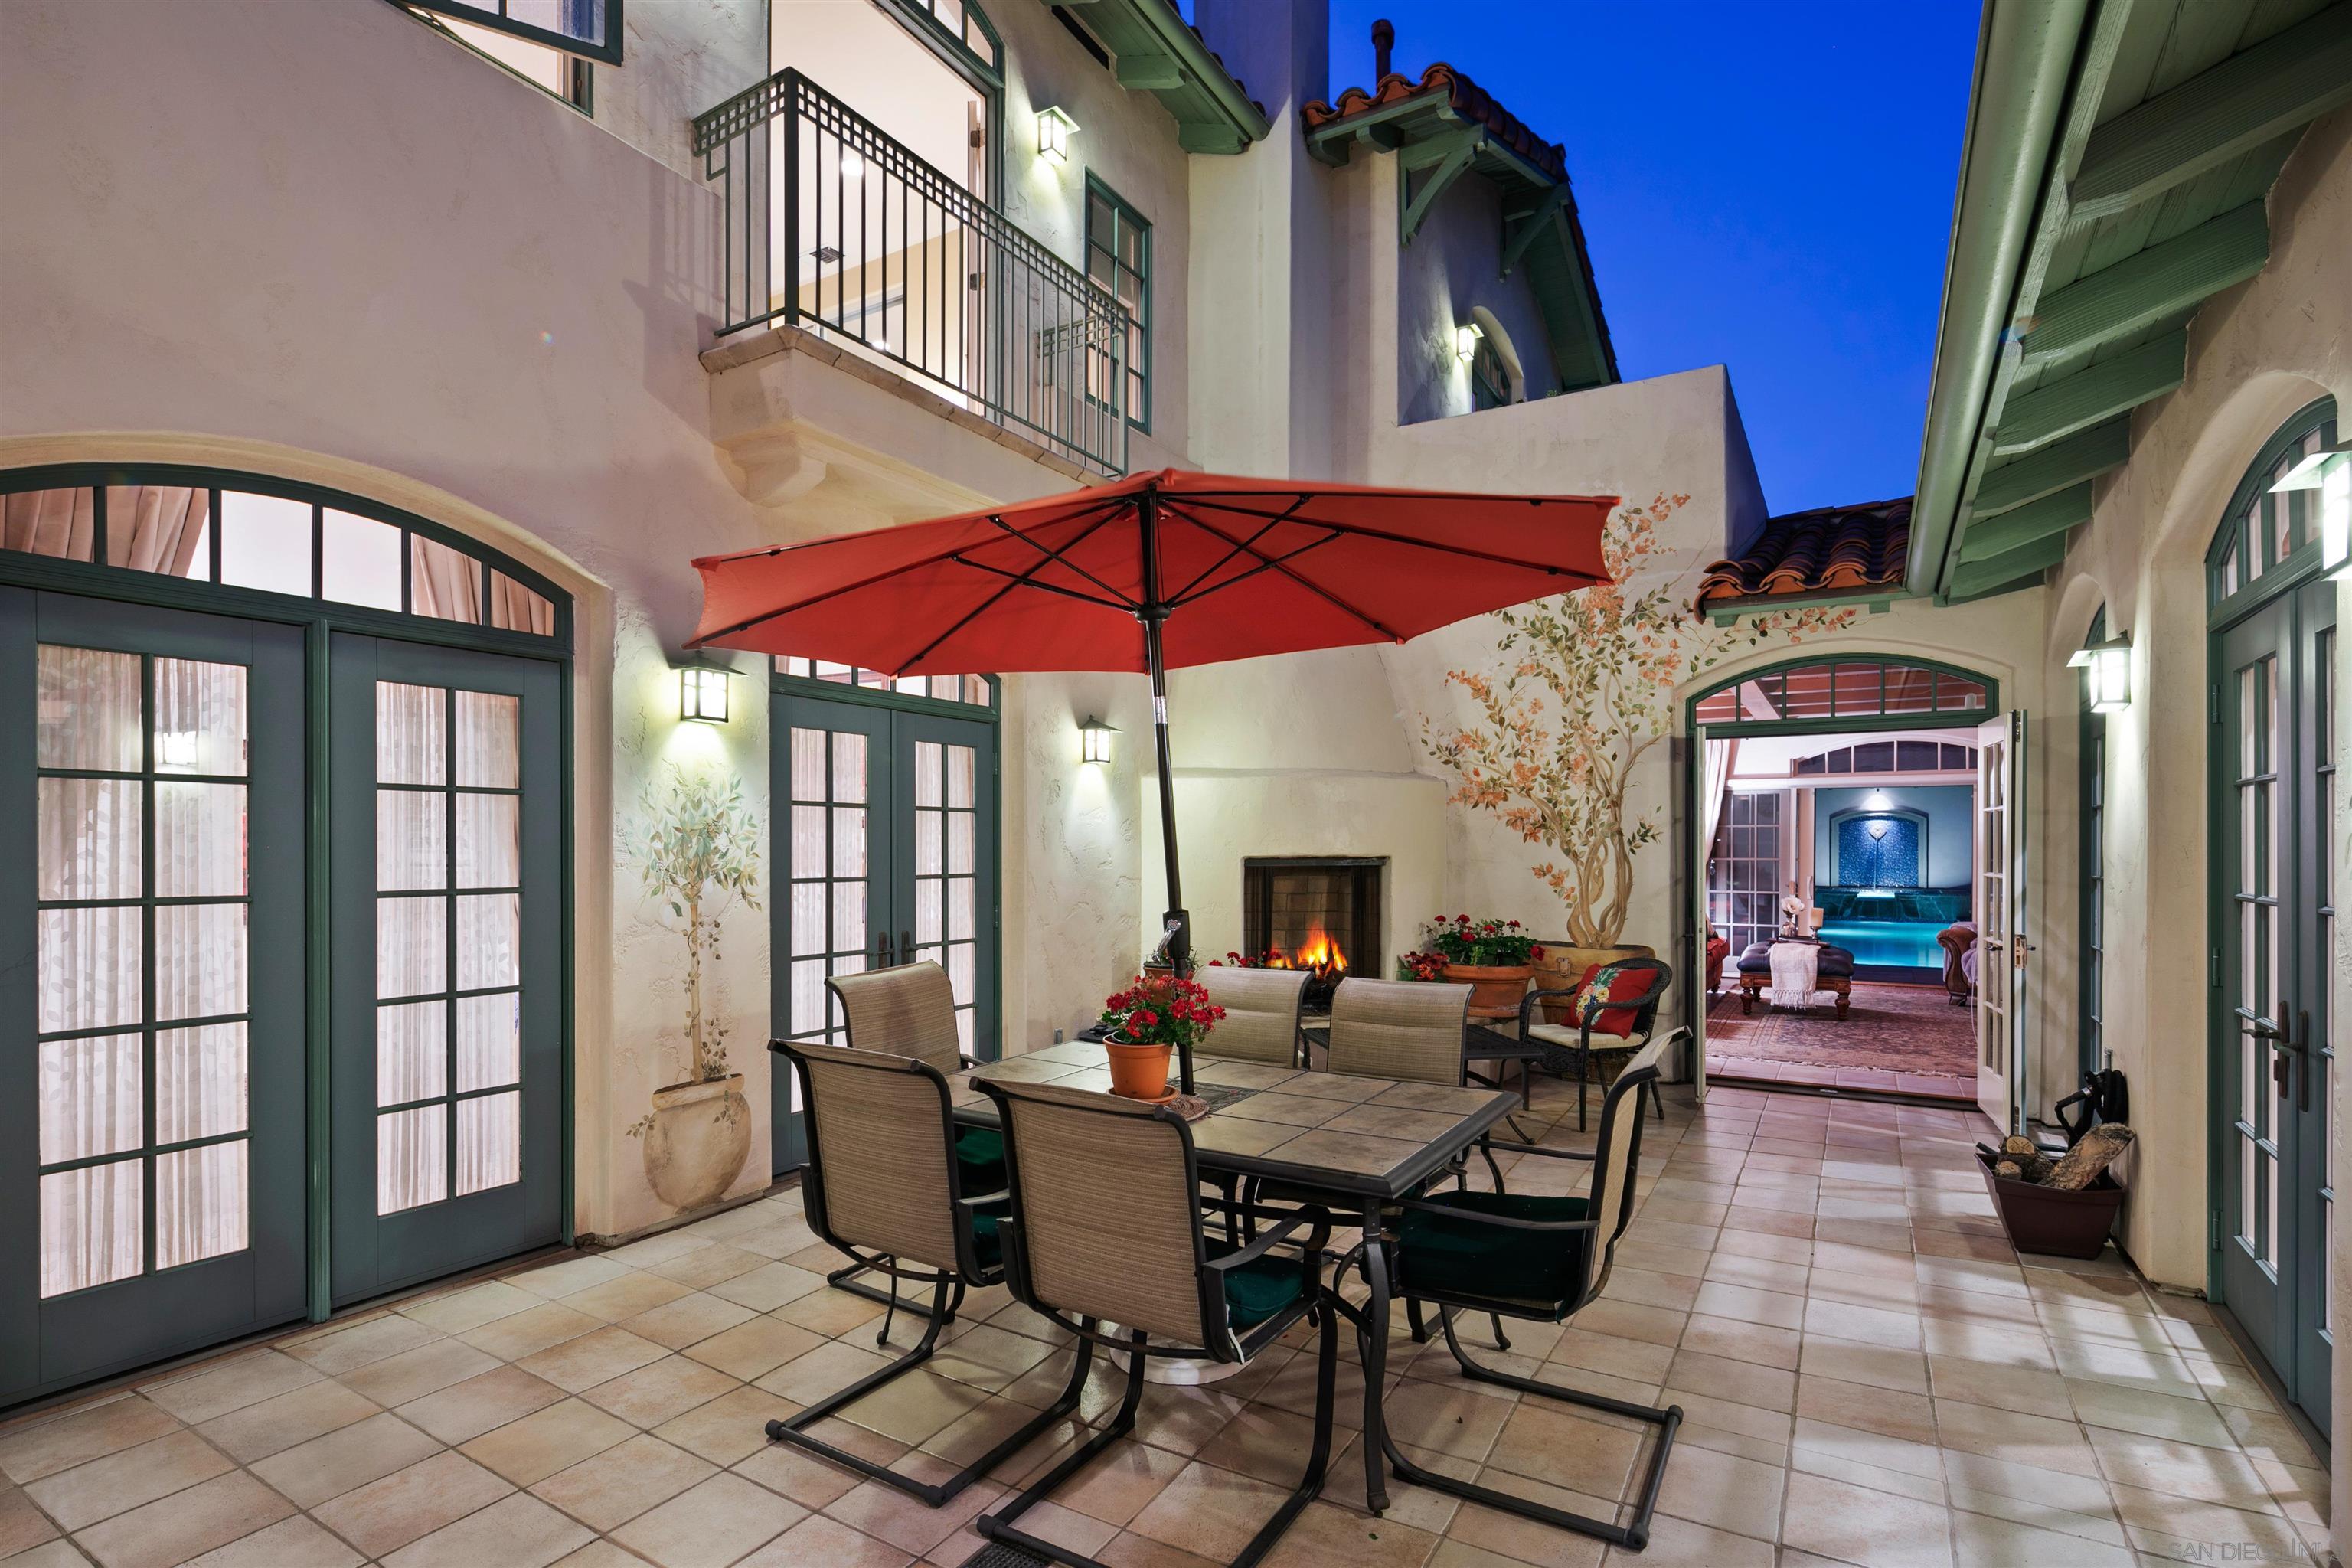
point(1157, 572)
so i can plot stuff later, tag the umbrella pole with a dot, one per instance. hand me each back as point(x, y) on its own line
point(1176, 923)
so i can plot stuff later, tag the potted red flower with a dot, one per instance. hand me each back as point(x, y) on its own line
point(1493, 957)
point(1148, 1021)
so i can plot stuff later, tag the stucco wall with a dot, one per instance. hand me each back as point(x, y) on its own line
point(2257, 353)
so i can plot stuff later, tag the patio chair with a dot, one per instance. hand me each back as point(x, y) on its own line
point(884, 1185)
point(1261, 1008)
point(909, 1010)
point(1542, 1260)
point(1405, 1029)
point(1106, 1229)
point(1573, 1046)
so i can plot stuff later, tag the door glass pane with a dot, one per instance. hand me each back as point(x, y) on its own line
point(412, 845)
point(808, 918)
point(200, 1203)
point(90, 969)
point(808, 764)
point(200, 961)
point(200, 1082)
point(489, 1141)
point(848, 841)
point(490, 739)
point(848, 918)
point(489, 935)
point(410, 733)
point(90, 1100)
point(412, 1158)
point(200, 719)
point(960, 772)
point(849, 768)
point(489, 1040)
point(927, 782)
point(412, 1052)
point(88, 838)
point(410, 946)
point(90, 1226)
point(89, 710)
point(490, 840)
point(199, 840)
point(808, 841)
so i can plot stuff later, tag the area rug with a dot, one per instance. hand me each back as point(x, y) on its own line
point(1893, 1028)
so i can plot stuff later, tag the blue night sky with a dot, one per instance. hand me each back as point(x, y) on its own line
point(1764, 184)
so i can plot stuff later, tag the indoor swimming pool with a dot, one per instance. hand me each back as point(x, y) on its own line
point(1888, 944)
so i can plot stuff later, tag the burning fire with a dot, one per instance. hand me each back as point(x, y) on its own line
point(1317, 953)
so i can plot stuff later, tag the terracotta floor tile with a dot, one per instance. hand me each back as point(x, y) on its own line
point(722, 1520)
point(660, 1391)
point(187, 1524)
point(730, 1427)
point(518, 1532)
point(750, 1349)
point(820, 1542)
point(413, 1374)
point(1208, 1512)
point(349, 1457)
point(530, 1450)
point(92, 1491)
point(295, 1542)
point(387, 1514)
point(593, 1358)
point(534, 1329)
point(47, 1444)
point(622, 1482)
point(246, 1378)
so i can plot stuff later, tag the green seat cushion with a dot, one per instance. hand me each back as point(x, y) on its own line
point(1262, 1287)
point(980, 1159)
point(1456, 1253)
point(987, 1247)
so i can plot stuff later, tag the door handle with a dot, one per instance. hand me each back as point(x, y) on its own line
point(905, 945)
point(881, 950)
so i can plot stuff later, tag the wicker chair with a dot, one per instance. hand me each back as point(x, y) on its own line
point(1106, 1228)
point(1541, 1259)
point(909, 1010)
point(884, 1185)
point(1261, 1006)
point(1572, 1047)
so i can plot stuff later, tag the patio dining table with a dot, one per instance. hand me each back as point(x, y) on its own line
point(1364, 1142)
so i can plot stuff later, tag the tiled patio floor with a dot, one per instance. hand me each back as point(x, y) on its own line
point(1869, 1376)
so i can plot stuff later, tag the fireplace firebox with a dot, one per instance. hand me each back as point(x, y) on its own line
point(1318, 912)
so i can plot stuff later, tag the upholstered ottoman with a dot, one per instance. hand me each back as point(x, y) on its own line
point(1833, 973)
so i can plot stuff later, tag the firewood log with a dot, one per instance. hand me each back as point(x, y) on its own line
point(2098, 1149)
point(2033, 1164)
point(2008, 1172)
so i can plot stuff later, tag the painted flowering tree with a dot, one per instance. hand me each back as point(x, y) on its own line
point(1590, 690)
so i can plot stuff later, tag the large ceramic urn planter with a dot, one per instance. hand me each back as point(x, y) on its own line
point(1496, 986)
point(1562, 967)
point(698, 1137)
point(1138, 1072)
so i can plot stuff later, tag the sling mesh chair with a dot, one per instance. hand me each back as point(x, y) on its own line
point(1542, 1260)
point(909, 1010)
point(885, 1186)
point(1106, 1229)
point(1261, 1008)
point(1573, 1045)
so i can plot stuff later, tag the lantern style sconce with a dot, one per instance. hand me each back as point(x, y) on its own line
point(702, 692)
point(2109, 664)
point(1094, 740)
point(1465, 340)
point(1054, 128)
point(2328, 471)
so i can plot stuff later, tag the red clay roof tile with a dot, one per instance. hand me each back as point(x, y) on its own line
point(1830, 550)
point(1465, 97)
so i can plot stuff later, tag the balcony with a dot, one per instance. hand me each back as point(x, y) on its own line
point(835, 228)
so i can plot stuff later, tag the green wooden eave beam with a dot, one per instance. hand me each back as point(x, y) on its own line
point(2260, 93)
point(2020, 526)
point(1521, 232)
point(2010, 568)
point(2053, 469)
point(2092, 394)
point(2155, 284)
point(1445, 160)
point(1157, 53)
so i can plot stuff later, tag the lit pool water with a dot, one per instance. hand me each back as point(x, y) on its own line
point(1888, 944)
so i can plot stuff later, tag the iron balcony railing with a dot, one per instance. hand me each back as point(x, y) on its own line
point(834, 224)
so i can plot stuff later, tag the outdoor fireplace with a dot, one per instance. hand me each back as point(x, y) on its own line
point(1321, 912)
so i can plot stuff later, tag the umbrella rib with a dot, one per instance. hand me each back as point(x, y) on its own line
point(1263, 566)
point(1029, 579)
point(1407, 539)
point(1025, 580)
point(1180, 595)
point(1053, 554)
point(1314, 588)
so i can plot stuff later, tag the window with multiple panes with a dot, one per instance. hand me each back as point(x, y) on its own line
point(1846, 688)
point(1744, 873)
point(971, 688)
point(2263, 527)
point(590, 28)
point(2093, 852)
point(1118, 257)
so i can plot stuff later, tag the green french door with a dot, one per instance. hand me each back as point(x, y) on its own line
point(884, 824)
point(445, 928)
point(151, 984)
point(2275, 937)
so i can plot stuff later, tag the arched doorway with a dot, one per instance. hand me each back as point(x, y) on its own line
point(1790, 768)
point(2271, 655)
point(284, 910)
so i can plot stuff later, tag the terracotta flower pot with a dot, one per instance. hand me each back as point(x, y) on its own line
point(1562, 967)
point(1498, 985)
point(1139, 1072)
point(696, 1146)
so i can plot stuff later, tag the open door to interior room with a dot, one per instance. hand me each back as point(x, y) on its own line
point(2002, 949)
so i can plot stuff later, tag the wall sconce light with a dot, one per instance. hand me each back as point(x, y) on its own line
point(1054, 128)
point(1465, 340)
point(2109, 678)
point(2328, 471)
point(702, 692)
point(1094, 740)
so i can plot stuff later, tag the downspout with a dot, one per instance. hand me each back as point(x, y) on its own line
point(2026, 53)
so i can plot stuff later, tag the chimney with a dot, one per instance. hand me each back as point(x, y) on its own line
point(1383, 40)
